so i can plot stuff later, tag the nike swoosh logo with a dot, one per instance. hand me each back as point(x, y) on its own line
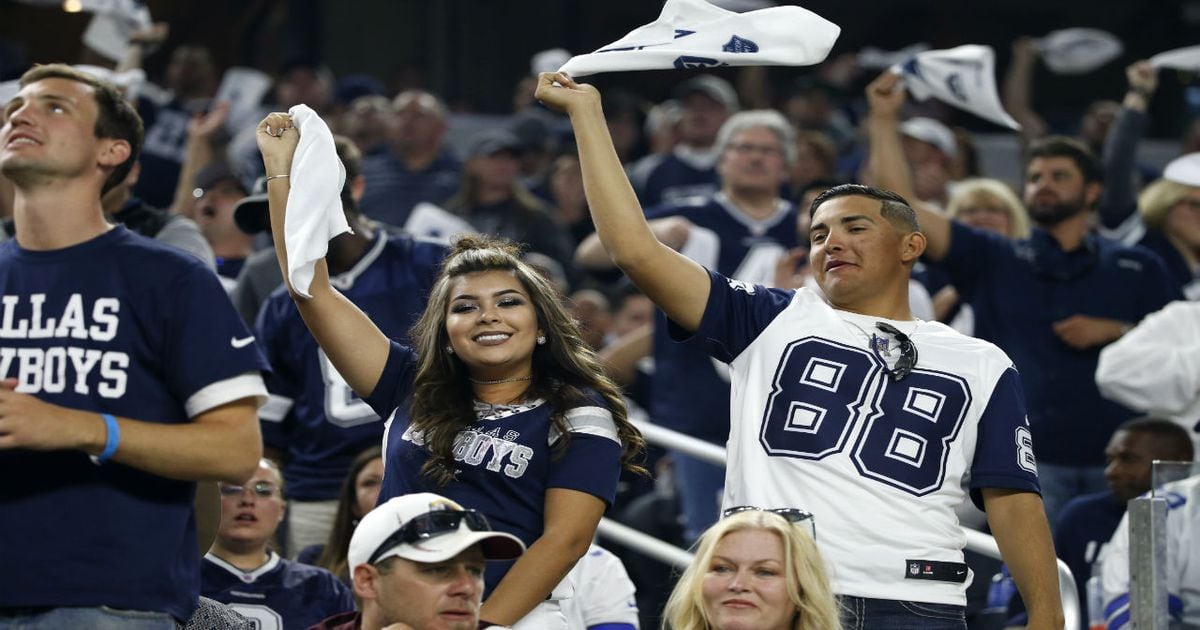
point(241, 343)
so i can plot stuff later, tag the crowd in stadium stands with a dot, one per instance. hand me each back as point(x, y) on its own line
point(1058, 270)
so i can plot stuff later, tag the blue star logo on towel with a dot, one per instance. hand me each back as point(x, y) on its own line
point(684, 62)
point(739, 45)
point(954, 84)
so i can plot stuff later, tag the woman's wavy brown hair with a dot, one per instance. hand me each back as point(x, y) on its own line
point(564, 368)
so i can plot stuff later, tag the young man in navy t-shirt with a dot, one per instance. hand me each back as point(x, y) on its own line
point(114, 347)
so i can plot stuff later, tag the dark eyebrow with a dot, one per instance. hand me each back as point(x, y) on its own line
point(844, 220)
point(468, 296)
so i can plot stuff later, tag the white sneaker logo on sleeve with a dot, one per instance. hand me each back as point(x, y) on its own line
point(241, 343)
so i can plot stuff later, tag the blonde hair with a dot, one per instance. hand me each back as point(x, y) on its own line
point(807, 584)
point(1158, 198)
point(969, 191)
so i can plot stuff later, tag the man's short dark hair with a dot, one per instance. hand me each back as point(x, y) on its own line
point(116, 118)
point(893, 207)
point(1174, 439)
point(1076, 151)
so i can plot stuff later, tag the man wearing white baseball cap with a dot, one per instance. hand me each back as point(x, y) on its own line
point(418, 560)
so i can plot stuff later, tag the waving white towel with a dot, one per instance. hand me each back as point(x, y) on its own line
point(696, 34)
point(1079, 50)
point(963, 77)
point(314, 207)
point(1187, 58)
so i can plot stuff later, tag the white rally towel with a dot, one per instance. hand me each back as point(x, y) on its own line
point(696, 34)
point(872, 58)
point(962, 76)
point(1078, 50)
point(314, 206)
point(1180, 58)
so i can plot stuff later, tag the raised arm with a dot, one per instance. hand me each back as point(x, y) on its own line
point(197, 153)
point(354, 345)
point(1018, 90)
point(677, 284)
point(886, 163)
point(1119, 198)
point(1018, 521)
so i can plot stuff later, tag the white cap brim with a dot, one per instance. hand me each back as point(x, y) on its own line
point(495, 545)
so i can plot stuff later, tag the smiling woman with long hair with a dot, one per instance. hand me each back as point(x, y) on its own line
point(754, 569)
point(498, 404)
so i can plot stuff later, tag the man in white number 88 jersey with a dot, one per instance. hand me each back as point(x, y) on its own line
point(851, 409)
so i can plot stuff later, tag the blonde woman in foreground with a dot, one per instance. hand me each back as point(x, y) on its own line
point(755, 569)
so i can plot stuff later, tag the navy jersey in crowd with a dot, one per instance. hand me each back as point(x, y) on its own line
point(724, 240)
point(279, 595)
point(166, 120)
point(1019, 290)
point(392, 190)
point(313, 415)
point(506, 459)
point(677, 176)
point(119, 324)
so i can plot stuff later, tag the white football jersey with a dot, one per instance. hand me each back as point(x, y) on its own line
point(1183, 560)
point(819, 423)
point(604, 594)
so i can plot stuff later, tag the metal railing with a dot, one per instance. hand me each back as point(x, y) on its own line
point(667, 553)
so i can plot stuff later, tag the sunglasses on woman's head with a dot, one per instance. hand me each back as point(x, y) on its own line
point(794, 516)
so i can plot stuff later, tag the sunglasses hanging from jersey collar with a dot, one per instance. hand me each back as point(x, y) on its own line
point(908, 352)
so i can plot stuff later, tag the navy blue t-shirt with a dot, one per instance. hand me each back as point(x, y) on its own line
point(1019, 290)
point(691, 390)
point(313, 415)
point(279, 595)
point(123, 325)
point(506, 458)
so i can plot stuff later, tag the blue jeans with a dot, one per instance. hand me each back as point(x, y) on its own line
point(101, 618)
point(867, 613)
point(1063, 483)
point(700, 485)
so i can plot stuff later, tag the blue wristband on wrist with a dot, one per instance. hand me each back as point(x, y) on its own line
point(113, 431)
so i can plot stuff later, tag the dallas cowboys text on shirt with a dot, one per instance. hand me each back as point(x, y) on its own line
point(475, 444)
point(57, 368)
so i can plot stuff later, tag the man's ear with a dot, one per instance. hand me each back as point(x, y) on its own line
point(912, 247)
point(114, 152)
point(1091, 194)
point(364, 579)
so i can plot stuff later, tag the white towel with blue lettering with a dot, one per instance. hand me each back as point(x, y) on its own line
point(696, 34)
point(314, 205)
point(963, 77)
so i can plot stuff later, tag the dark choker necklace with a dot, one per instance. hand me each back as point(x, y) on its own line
point(501, 380)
